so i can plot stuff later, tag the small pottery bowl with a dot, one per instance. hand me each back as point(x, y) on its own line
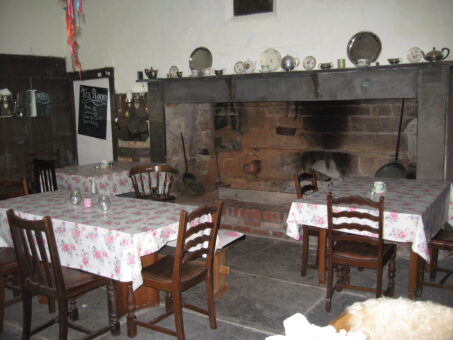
point(394, 61)
point(325, 66)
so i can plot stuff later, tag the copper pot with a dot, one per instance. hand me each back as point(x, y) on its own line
point(253, 167)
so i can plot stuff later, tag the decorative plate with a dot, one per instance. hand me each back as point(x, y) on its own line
point(200, 59)
point(239, 67)
point(173, 72)
point(309, 62)
point(364, 45)
point(272, 58)
point(414, 55)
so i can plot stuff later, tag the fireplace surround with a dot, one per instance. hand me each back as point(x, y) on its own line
point(191, 106)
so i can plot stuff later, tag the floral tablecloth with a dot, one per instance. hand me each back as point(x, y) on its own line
point(414, 209)
point(106, 243)
point(108, 181)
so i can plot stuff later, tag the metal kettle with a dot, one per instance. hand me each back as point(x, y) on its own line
point(289, 62)
point(435, 55)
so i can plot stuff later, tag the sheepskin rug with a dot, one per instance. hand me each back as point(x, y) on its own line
point(387, 318)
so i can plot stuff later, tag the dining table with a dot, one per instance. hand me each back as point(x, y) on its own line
point(110, 243)
point(108, 180)
point(414, 211)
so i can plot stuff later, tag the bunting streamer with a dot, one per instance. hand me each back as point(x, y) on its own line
point(74, 16)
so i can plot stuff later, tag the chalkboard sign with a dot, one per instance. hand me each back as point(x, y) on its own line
point(93, 111)
point(43, 105)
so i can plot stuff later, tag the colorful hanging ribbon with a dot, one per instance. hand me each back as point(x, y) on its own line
point(74, 14)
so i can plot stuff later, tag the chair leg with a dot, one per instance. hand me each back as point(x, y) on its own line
point(305, 244)
point(168, 302)
point(378, 282)
point(329, 290)
point(340, 277)
point(131, 318)
point(433, 265)
point(177, 310)
point(2, 302)
point(26, 318)
point(51, 305)
point(211, 303)
point(317, 251)
point(112, 304)
point(63, 318)
point(73, 310)
point(391, 277)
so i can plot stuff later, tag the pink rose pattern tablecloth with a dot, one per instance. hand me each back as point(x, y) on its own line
point(109, 181)
point(106, 243)
point(414, 209)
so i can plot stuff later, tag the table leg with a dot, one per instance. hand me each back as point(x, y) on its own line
point(415, 284)
point(322, 256)
point(144, 297)
point(113, 303)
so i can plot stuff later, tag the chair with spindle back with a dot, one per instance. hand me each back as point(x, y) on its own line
point(29, 165)
point(346, 249)
point(196, 239)
point(307, 230)
point(44, 175)
point(41, 273)
point(154, 182)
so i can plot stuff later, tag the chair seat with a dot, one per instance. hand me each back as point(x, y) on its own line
point(349, 250)
point(7, 256)
point(443, 239)
point(312, 231)
point(156, 197)
point(74, 279)
point(162, 272)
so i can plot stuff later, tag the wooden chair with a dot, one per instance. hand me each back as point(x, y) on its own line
point(29, 166)
point(8, 264)
point(442, 240)
point(13, 188)
point(44, 175)
point(154, 182)
point(43, 275)
point(307, 230)
point(8, 279)
point(179, 273)
point(346, 249)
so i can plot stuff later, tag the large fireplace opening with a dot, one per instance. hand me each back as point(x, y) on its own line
point(335, 138)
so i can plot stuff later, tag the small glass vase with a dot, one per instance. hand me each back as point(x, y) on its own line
point(104, 202)
point(75, 197)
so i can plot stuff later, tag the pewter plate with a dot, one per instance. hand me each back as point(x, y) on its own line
point(364, 45)
point(200, 59)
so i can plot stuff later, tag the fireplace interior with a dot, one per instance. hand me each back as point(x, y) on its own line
point(335, 138)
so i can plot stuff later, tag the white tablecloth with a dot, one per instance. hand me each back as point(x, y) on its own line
point(414, 209)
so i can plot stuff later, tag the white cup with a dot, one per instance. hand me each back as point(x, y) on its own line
point(379, 186)
point(363, 62)
point(104, 164)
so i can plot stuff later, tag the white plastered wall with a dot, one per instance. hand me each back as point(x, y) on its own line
point(133, 35)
